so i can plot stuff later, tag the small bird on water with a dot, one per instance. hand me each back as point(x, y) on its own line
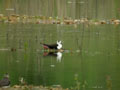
point(56, 46)
point(5, 81)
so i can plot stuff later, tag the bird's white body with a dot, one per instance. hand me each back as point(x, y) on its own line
point(59, 45)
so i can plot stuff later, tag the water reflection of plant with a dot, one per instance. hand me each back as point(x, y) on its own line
point(25, 46)
point(109, 82)
point(79, 85)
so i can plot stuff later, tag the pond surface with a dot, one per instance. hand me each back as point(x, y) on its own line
point(91, 58)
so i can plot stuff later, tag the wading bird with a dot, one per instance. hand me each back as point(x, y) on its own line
point(56, 46)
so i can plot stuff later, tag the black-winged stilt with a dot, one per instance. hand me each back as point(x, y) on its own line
point(56, 46)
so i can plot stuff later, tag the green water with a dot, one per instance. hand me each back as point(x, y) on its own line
point(91, 60)
point(92, 55)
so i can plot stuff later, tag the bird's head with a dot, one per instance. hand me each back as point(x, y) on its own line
point(59, 42)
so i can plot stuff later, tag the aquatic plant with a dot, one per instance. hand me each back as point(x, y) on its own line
point(14, 18)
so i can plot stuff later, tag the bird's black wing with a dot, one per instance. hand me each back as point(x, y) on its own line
point(53, 46)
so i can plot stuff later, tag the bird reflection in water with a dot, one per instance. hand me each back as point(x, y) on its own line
point(56, 54)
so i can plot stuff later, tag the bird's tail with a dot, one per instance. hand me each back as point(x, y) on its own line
point(44, 44)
